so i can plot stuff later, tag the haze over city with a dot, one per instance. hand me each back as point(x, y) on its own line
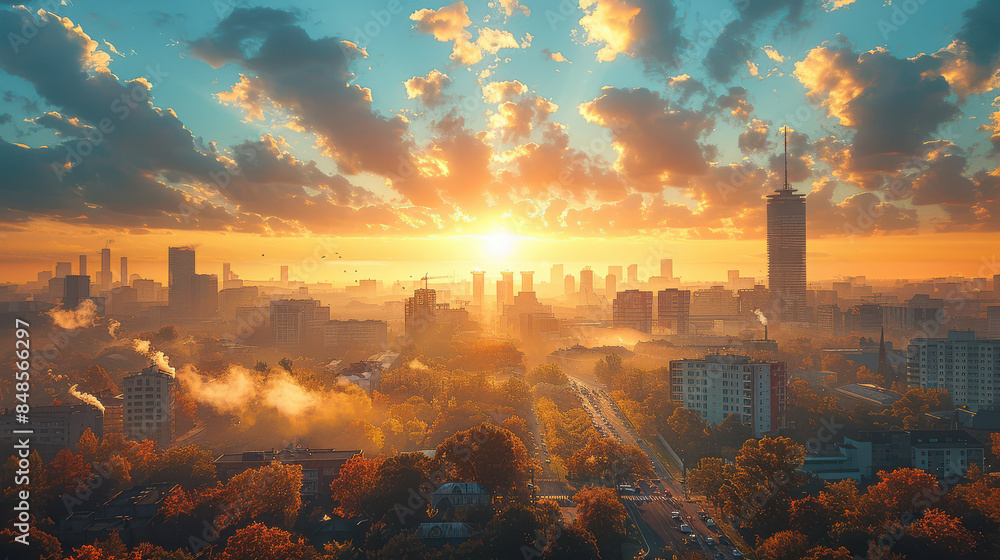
point(504, 279)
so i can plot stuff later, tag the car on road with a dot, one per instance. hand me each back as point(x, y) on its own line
point(737, 554)
point(710, 523)
point(675, 515)
point(710, 541)
point(685, 528)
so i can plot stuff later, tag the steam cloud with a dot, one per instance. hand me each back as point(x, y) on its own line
point(248, 394)
point(159, 358)
point(761, 316)
point(86, 397)
point(83, 316)
point(417, 365)
point(113, 327)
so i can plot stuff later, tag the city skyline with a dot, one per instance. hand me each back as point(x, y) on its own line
point(663, 143)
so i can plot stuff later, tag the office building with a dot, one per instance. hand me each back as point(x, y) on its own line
point(786, 250)
point(149, 406)
point(63, 269)
point(667, 268)
point(633, 309)
point(232, 299)
point(340, 336)
point(83, 265)
point(320, 467)
point(297, 322)
point(55, 427)
point(633, 274)
point(718, 386)
point(180, 269)
point(673, 311)
point(105, 277)
point(569, 285)
point(76, 289)
point(284, 275)
point(610, 286)
point(419, 311)
point(124, 271)
point(508, 286)
point(556, 275)
point(587, 296)
point(478, 289)
point(527, 281)
point(967, 368)
point(204, 295)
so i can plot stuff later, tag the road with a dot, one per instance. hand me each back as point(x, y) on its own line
point(652, 511)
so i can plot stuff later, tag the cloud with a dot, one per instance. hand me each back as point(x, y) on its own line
point(309, 80)
point(654, 142)
point(994, 127)
point(554, 56)
point(756, 137)
point(647, 30)
point(893, 105)
point(687, 85)
point(735, 103)
point(861, 214)
point(498, 92)
point(492, 40)
point(514, 121)
point(971, 63)
point(733, 46)
point(773, 53)
point(448, 25)
point(428, 89)
point(508, 7)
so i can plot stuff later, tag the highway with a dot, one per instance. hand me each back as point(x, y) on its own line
point(651, 509)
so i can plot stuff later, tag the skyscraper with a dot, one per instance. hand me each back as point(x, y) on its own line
point(76, 288)
point(149, 406)
point(124, 278)
point(180, 269)
point(105, 268)
point(556, 277)
point(610, 286)
point(63, 269)
point(527, 281)
point(420, 310)
point(633, 274)
point(633, 309)
point(478, 288)
point(786, 250)
point(508, 286)
point(587, 286)
point(83, 265)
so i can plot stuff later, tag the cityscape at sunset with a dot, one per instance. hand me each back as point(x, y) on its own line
point(500, 279)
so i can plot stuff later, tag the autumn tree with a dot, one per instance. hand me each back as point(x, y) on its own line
point(259, 542)
point(573, 543)
point(190, 466)
point(609, 461)
point(938, 535)
point(601, 514)
point(824, 553)
point(547, 373)
point(270, 494)
point(41, 545)
point(487, 454)
point(785, 545)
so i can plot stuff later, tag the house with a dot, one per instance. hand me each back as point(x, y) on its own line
point(457, 494)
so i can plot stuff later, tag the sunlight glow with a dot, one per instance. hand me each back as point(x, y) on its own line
point(499, 244)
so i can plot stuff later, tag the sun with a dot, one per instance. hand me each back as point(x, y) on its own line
point(499, 244)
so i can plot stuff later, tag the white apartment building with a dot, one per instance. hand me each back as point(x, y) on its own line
point(967, 368)
point(718, 386)
point(149, 406)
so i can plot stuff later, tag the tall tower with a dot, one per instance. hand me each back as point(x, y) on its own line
point(106, 268)
point(83, 265)
point(786, 250)
point(587, 286)
point(527, 281)
point(556, 277)
point(180, 269)
point(478, 285)
point(124, 272)
point(508, 286)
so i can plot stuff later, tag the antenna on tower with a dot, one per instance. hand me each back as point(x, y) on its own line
point(786, 158)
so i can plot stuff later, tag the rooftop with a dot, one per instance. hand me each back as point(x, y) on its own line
point(286, 455)
point(869, 393)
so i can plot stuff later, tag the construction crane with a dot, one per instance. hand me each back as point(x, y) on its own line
point(427, 277)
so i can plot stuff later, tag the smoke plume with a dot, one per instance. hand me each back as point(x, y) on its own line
point(761, 316)
point(86, 397)
point(113, 327)
point(159, 358)
point(82, 316)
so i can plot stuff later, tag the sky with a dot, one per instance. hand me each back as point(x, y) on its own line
point(417, 137)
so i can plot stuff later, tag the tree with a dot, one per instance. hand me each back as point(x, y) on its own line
point(574, 543)
point(708, 478)
point(939, 535)
point(487, 454)
point(824, 553)
point(285, 364)
point(190, 466)
point(786, 545)
point(607, 461)
point(41, 545)
point(601, 514)
point(402, 547)
point(260, 542)
point(269, 494)
point(688, 433)
point(547, 373)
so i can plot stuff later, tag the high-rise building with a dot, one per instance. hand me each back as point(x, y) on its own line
point(527, 281)
point(284, 275)
point(967, 368)
point(786, 250)
point(297, 321)
point(106, 277)
point(617, 271)
point(673, 310)
point(718, 386)
point(667, 268)
point(75, 289)
point(508, 286)
point(232, 299)
point(569, 285)
point(587, 296)
point(610, 286)
point(633, 274)
point(339, 336)
point(227, 272)
point(124, 271)
point(633, 309)
point(149, 406)
point(478, 289)
point(556, 277)
point(420, 310)
point(180, 269)
point(83, 265)
point(63, 269)
point(204, 295)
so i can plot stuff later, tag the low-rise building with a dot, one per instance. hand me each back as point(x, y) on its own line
point(319, 466)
